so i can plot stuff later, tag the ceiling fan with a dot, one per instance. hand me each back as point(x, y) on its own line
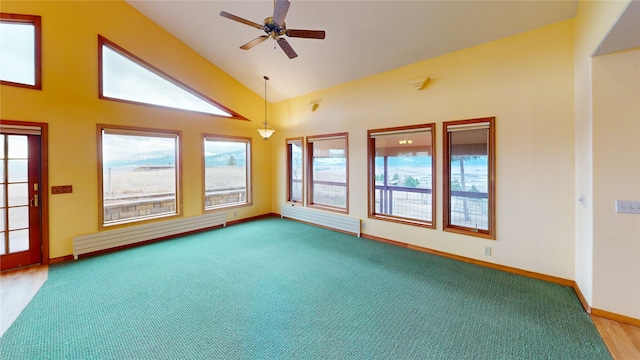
point(275, 28)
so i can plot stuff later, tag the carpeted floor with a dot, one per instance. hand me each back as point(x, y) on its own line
point(278, 289)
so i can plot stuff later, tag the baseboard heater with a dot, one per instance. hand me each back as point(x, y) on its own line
point(89, 243)
point(322, 218)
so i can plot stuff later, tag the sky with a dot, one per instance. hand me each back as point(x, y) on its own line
point(218, 147)
point(127, 147)
point(128, 80)
point(117, 147)
point(17, 53)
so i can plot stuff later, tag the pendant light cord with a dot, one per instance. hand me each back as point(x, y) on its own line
point(265, 101)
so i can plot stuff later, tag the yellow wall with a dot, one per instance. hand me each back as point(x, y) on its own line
point(526, 82)
point(69, 103)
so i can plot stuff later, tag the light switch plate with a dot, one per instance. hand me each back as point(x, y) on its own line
point(628, 206)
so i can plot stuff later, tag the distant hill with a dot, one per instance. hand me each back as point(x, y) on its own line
point(223, 159)
point(162, 158)
point(154, 158)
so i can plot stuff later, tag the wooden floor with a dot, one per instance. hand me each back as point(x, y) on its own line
point(622, 340)
point(19, 286)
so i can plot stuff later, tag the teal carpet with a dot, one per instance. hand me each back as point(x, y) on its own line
point(278, 289)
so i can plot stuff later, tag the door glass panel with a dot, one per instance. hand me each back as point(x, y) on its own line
point(2, 221)
point(18, 218)
point(18, 194)
point(18, 240)
point(2, 201)
point(17, 171)
point(2, 248)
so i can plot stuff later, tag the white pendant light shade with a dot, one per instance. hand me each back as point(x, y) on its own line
point(265, 132)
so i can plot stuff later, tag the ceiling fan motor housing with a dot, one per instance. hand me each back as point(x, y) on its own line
point(273, 29)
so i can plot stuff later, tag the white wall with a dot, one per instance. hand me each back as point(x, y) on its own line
point(527, 83)
point(593, 21)
point(616, 175)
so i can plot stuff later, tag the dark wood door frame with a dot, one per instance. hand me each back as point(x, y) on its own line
point(44, 181)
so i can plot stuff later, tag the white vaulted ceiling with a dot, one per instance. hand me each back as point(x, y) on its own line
point(362, 37)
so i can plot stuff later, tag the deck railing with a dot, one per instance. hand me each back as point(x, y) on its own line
point(407, 202)
point(468, 208)
point(329, 193)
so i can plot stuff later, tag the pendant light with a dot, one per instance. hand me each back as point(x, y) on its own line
point(265, 131)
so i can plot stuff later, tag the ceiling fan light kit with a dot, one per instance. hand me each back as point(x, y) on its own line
point(275, 28)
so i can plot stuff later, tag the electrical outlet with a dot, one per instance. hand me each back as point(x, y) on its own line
point(628, 206)
point(235, 214)
point(487, 250)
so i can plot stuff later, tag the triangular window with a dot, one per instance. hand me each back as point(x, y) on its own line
point(125, 77)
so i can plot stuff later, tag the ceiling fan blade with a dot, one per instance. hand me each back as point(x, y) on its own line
point(287, 48)
point(280, 11)
point(240, 20)
point(309, 34)
point(254, 42)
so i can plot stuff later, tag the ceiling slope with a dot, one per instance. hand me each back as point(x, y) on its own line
point(362, 37)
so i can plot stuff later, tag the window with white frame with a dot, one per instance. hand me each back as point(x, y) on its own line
point(227, 171)
point(139, 174)
point(328, 185)
point(401, 171)
point(469, 177)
